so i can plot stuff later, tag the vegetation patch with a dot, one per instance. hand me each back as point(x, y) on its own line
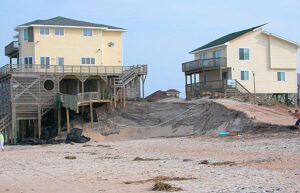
point(230, 163)
point(103, 145)
point(159, 179)
point(160, 186)
point(70, 157)
point(144, 159)
point(86, 145)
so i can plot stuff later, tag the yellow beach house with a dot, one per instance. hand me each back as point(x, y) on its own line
point(62, 63)
point(250, 61)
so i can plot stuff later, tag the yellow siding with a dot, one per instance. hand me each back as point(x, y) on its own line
point(112, 56)
point(73, 46)
point(266, 78)
point(27, 49)
point(284, 55)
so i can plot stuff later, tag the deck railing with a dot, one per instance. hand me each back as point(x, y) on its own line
point(204, 63)
point(212, 86)
point(11, 48)
point(68, 69)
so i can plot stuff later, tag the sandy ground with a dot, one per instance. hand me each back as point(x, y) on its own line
point(274, 114)
point(264, 163)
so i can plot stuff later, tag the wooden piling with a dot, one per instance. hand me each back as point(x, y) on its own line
point(68, 120)
point(59, 121)
point(91, 114)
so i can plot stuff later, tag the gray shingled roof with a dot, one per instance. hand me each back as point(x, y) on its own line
point(226, 38)
point(68, 22)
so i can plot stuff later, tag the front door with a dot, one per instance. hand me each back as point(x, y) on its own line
point(60, 64)
point(224, 75)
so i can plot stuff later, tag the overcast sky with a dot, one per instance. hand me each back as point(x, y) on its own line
point(160, 32)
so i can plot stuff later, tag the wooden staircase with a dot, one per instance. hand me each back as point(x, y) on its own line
point(5, 121)
point(238, 91)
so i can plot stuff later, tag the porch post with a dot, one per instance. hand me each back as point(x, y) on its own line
point(185, 84)
point(220, 73)
point(191, 82)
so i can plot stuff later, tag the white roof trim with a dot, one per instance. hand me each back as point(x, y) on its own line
point(65, 26)
point(194, 52)
point(282, 38)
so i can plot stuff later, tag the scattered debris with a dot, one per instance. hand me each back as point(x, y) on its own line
point(144, 159)
point(86, 145)
point(160, 186)
point(206, 162)
point(70, 157)
point(230, 163)
point(32, 141)
point(103, 145)
point(76, 136)
point(159, 179)
point(116, 157)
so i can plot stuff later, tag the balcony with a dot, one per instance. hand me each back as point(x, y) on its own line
point(12, 49)
point(204, 63)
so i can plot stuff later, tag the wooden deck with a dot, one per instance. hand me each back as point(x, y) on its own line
point(24, 96)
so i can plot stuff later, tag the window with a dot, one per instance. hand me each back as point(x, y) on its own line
point(88, 61)
point(28, 62)
point(280, 76)
point(217, 54)
point(45, 62)
point(203, 56)
point(59, 31)
point(244, 75)
point(25, 34)
point(60, 61)
point(244, 53)
point(44, 31)
point(87, 32)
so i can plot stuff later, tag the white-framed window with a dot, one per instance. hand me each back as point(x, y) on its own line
point(45, 31)
point(88, 61)
point(59, 31)
point(28, 62)
point(244, 75)
point(87, 32)
point(217, 53)
point(203, 56)
point(244, 54)
point(25, 34)
point(60, 61)
point(45, 62)
point(280, 76)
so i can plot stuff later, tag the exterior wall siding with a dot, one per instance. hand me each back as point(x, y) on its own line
point(112, 56)
point(73, 46)
point(266, 78)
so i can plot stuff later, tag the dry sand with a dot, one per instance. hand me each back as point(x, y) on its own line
point(264, 163)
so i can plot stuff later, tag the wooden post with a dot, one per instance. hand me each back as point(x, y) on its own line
point(35, 129)
point(115, 97)
point(59, 121)
point(124, 97)
point(82, 112)
point(68, 120)
point(39, 122)
point(91, 114)
point(14, 125)
point(186, 86)
point(220, 73)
